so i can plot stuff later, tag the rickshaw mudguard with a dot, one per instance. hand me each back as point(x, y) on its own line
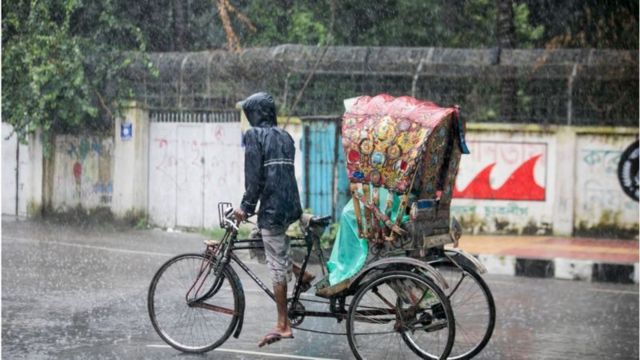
point(458, 255)
point(399, 263)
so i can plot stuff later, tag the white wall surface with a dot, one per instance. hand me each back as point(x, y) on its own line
point(10, 164)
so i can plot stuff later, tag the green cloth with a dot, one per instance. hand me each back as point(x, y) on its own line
point(350, 251)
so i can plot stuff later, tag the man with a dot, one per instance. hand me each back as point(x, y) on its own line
point(270, 179)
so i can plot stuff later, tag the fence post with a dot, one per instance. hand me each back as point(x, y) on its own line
point(572, 77)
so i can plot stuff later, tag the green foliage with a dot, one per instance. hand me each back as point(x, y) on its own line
point(469, 23)
point(528, 35)
point(586, 23)
point(217, 233)
point(475, 26)
point(63, 64)
point(279, 22)
point(63, 61)
point(329, 237)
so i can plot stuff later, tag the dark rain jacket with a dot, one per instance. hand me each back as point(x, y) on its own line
point(269, 175)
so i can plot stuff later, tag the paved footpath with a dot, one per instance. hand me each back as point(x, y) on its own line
point(603, 260)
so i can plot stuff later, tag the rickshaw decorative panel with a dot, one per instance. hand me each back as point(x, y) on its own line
point(384, 139)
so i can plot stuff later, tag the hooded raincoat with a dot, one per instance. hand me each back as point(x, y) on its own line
point(269, 176)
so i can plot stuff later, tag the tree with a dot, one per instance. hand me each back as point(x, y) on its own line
point(62, 65)
point(586, 23)
point(506, 38)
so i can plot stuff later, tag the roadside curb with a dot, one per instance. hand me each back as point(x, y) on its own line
point(560, 268)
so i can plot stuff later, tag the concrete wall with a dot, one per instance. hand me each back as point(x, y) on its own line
point(517, 179)
point(15, 158)
point(83, 172)
point(529, 179)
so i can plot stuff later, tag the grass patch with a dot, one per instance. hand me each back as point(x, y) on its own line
point(218, 233)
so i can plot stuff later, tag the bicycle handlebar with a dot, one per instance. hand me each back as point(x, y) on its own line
point(233, 225)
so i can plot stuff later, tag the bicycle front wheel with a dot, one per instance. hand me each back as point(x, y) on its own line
point(186, 325)
point(400, 315)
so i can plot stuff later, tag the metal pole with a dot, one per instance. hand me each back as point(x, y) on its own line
point(17, 173)
point(416, 75)
point(572, 77)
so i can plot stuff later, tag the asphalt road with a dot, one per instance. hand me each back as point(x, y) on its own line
point(70, 293)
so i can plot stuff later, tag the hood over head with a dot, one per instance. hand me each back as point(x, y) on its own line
point(260, 110)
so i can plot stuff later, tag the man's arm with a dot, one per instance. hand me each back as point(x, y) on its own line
point(253, 172)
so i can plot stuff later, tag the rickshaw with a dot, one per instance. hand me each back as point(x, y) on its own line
point(400, 304)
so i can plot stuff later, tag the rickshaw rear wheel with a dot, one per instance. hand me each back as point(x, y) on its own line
point(474, 307)
point(398, 315)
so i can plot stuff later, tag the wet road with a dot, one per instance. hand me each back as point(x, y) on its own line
point(71, 293)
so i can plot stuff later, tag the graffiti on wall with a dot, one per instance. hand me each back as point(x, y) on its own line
point(502, 170)
point(599, 198)
point(597, 190)
point(83, 169)
point(214, 154)
point(192, 167)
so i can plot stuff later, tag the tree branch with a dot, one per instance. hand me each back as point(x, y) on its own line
point(103, 105)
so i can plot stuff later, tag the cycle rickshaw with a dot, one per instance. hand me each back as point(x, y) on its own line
point(410, 299)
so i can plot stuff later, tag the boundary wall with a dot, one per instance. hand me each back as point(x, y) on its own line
point(532, 179)
point(518, 179)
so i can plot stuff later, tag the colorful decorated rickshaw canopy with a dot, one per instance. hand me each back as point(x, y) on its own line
point(384, 138)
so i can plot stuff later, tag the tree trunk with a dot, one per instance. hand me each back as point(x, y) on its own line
point(49, 145)
point(179, 22)
point(506, 37)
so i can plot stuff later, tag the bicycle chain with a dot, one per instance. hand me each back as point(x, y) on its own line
point(318, 331)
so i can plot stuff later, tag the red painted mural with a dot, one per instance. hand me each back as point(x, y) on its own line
point(511, 165)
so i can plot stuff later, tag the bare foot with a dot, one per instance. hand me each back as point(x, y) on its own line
point(307, 277)
point(276, 335)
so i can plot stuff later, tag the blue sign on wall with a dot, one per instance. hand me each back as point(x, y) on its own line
point(126, 130)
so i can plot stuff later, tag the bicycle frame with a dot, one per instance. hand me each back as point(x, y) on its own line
point(224, 254)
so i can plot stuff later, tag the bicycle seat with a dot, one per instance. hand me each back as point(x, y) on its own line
point(320, 220)
point(310, 221)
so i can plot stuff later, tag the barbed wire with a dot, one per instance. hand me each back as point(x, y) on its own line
point(560, 86)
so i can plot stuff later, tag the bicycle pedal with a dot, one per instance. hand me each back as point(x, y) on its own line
point(436, 325)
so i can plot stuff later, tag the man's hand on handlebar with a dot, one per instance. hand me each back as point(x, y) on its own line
point(239, 214)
